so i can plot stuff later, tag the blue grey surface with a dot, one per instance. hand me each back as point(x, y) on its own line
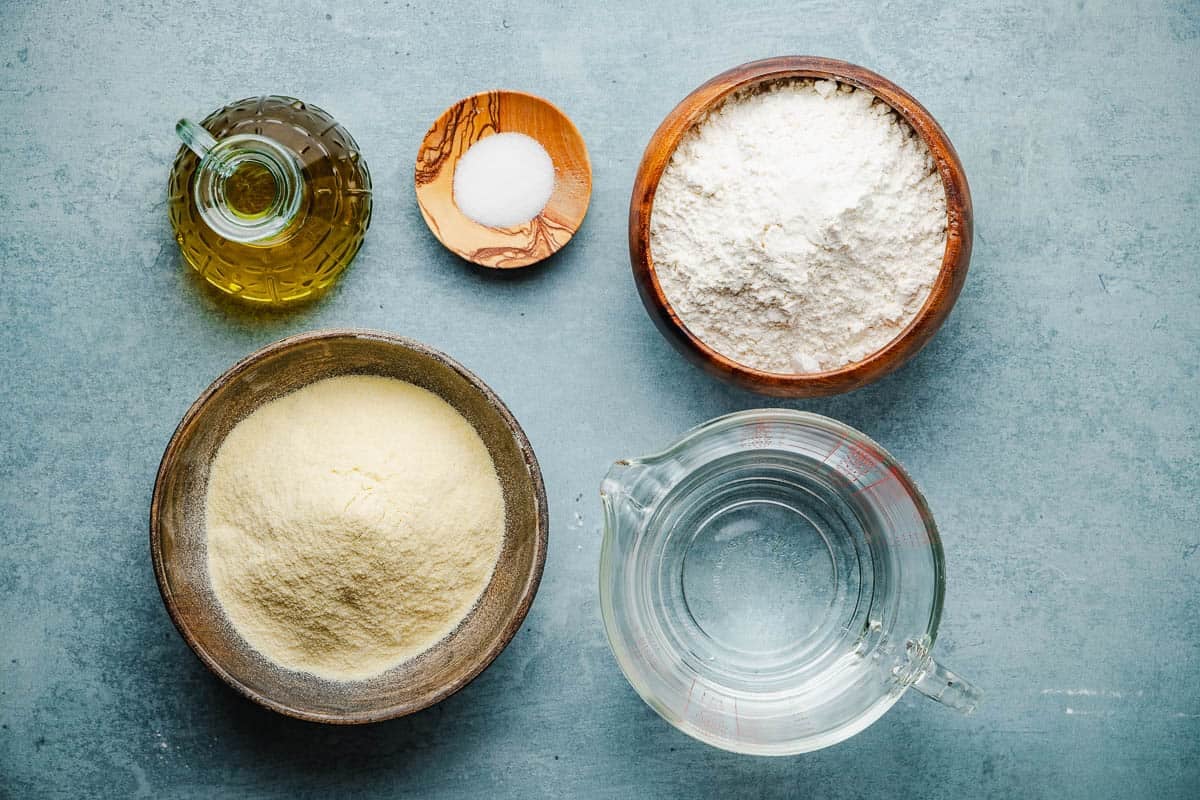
point(1052, 423)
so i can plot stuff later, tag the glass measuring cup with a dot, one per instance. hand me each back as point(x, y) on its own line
point(772, 583)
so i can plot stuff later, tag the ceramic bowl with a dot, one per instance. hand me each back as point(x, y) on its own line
point(945, 288)
point(178, 538)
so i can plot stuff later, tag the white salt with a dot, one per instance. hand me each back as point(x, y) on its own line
point(503, 180)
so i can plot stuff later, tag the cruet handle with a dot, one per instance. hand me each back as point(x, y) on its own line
point(197, 139)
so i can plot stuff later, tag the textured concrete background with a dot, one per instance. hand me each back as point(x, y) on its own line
point(1052, 422)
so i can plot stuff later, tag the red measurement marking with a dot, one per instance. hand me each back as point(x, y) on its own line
point(856, 461)
point(888, 473)
point(758, 435)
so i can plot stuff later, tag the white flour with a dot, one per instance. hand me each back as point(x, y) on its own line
point(799, 228)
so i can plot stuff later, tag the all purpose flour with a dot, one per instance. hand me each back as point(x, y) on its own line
point(799, 227)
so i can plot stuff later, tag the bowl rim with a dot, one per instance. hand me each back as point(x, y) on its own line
point(942, 295)
point(169, 460)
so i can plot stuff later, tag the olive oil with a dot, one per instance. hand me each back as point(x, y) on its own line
point(250, 190)
point(277, 205)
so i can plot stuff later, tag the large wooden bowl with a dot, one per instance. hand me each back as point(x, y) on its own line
point(945, 288)
point(178, 539)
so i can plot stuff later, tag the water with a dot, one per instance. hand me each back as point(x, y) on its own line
point(765, 568)
point(766, 578)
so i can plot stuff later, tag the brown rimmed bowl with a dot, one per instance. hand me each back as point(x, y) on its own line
point(945, 288)
point(178, 540)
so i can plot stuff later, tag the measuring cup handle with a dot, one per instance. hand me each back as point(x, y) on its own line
point(938, 683)
point(197, 139)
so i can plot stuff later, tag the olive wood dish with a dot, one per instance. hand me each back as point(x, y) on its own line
point(945, 288)
point(474, 118)
point(178, 540)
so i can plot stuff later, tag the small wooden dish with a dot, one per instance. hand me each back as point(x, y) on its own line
point(945, 288)
point(474, 118)
point(178, 539)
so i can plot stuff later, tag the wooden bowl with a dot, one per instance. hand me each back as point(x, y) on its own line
point(178, 539)
point(474, 118)
point(945, 288)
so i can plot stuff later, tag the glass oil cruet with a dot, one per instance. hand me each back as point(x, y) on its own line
point(269, 199)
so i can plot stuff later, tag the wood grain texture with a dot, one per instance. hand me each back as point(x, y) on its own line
point(474, 118)
point(945, 288)
point(178, 540)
